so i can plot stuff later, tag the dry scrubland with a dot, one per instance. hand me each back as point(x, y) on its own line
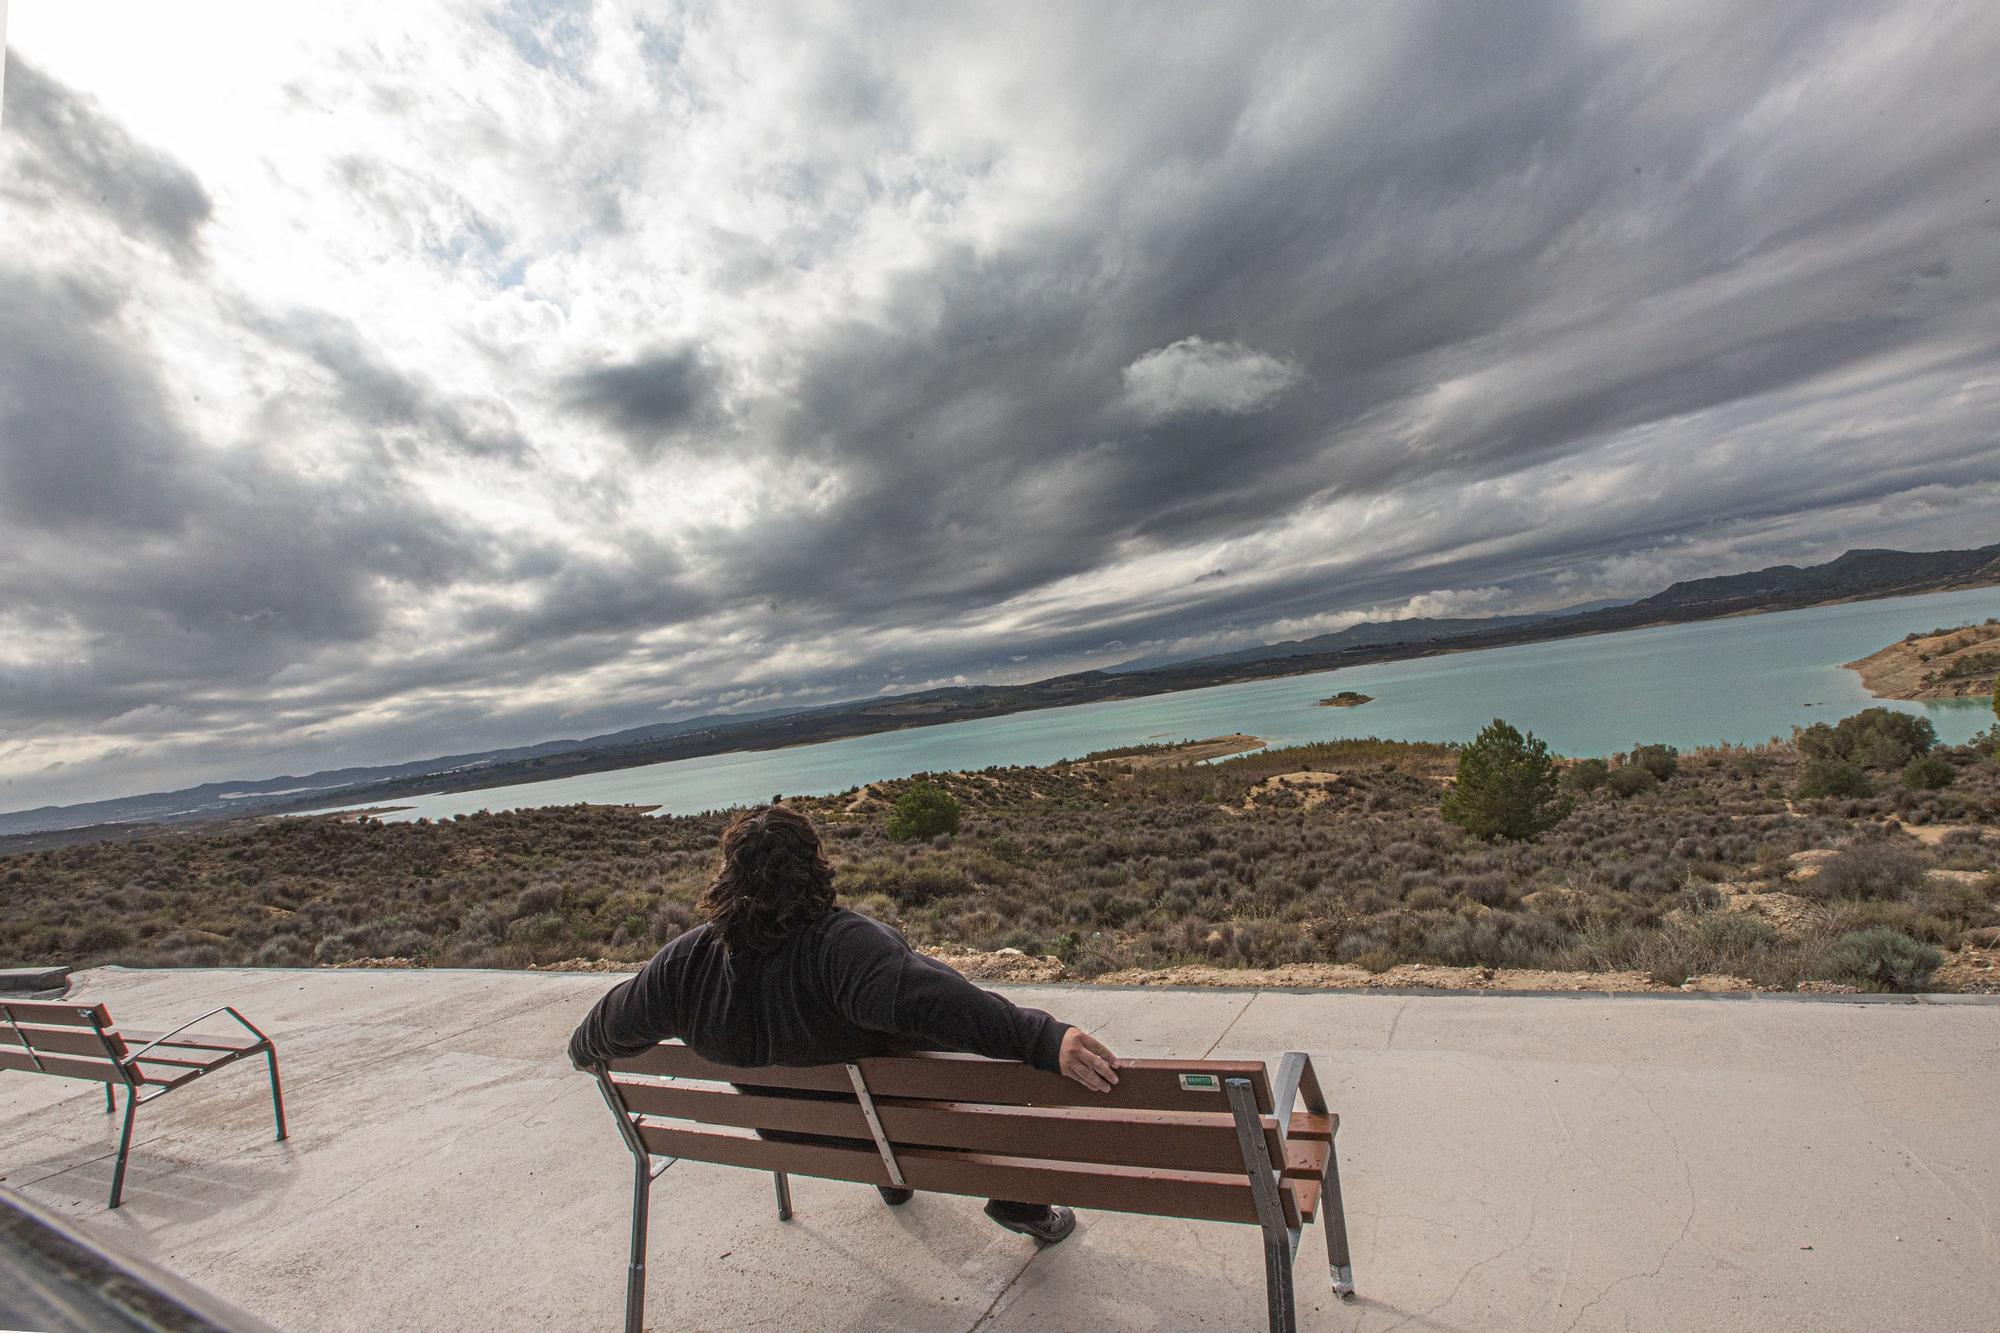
point(1324, 864)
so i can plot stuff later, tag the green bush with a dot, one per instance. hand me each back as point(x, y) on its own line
point(1586, 775)
point(1662, 761)
point(1506, 786)
point(1629, 780)
point(1872, 738)
point(1834, 777)
point(924, 811)
point(1929, 772)
point(1879, 959)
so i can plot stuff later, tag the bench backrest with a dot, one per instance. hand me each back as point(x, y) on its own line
point(70, 1040)
point(1163, 1141)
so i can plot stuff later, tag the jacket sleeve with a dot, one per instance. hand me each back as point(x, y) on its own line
point(880, 983)
point(633, 1015)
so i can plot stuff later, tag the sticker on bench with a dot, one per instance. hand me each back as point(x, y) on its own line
point(1200, 1083)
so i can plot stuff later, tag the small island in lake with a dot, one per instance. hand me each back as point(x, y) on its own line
point(1346, 699)
point(1941, 664)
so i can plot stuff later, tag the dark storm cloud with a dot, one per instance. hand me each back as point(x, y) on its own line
point(175, 572)
point(643, 587)
point(374, 394)
point(1470, 210)
point(85, 157)
point(653, 401)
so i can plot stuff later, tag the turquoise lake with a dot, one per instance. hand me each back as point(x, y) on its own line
point(1746, 679)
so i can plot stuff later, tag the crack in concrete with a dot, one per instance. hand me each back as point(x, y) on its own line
point(1232, 1024)
point(1569, 1209)
point(986, 1315)
point(1983, 1216)
point(1687, 1222)
point(1389, 1042)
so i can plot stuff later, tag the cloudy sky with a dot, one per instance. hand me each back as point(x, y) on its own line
point(380, 381)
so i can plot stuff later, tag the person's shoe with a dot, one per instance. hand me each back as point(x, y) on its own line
point(894, 1197)
point(1049, 1224)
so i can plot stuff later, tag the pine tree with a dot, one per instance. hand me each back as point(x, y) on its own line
point(1506, 786)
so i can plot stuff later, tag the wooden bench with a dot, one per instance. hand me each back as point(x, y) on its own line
point(79, 1041)
point(1204, 1139)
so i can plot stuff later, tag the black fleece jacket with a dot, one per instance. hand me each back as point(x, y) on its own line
point(840, 989)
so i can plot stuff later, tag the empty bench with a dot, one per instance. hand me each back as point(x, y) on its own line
point(79, 1041)
point(1216, 1140)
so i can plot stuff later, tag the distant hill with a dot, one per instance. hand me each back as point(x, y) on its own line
point(224, 799)
point(1853, 576)
point(1369, 633)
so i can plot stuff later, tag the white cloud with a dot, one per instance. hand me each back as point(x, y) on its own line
point(1196, 375)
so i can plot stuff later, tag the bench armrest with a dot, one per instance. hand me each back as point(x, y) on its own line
point(229, 1009)
point(1295, 1079)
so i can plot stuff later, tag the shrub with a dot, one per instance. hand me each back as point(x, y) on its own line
point(1834, 777)
point(1869, 870)
point(1662, 761)
point(1929, 772)
point(1586, 775)
point(924, 811)
point(1872, 738)
point(538, 899)
point(1628, 780)
point(1879, 959)
point(1506, 786)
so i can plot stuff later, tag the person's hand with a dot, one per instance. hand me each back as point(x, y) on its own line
point(1088, 1061)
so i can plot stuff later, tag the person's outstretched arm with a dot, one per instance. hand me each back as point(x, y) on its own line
point(880, 983)
point(633, 1016)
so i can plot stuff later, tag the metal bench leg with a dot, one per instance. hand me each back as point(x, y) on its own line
point(635, 1275)
point(784, 1188)
point(110, 1100)
point(1280, 1239)
point(1278, 1284)
point(277, 1091)
point(1333, 1220)
point(124, 1148)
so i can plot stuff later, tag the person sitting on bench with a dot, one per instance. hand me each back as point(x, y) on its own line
point(778, 974)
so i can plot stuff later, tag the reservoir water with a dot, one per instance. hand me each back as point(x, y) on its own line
point(1746, 679)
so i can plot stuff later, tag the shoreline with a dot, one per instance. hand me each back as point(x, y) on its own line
point(1920, 669)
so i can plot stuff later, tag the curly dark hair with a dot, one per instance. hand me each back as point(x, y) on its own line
point(773, 879)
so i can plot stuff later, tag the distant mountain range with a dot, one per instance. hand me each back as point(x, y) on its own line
point(1853, 576)
point(1367, 634)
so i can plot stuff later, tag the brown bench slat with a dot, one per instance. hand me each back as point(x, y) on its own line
point(1165, 1140)
point(1168, 1140)
point(1305, 1159)
point(61, 1041)
point(1305, 1197)
point(1150, 1085)
point(13, 1057)
point(670, 1059)
point(1319, 1126)
point(1189, 1194)
point(55, 1013)
point(745, 1110)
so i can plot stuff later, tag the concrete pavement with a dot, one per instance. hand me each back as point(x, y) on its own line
point(1510, 1163)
